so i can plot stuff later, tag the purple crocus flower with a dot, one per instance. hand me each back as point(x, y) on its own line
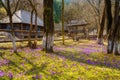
point(10, 75)
point(37, 77)
point(53, 73)
point(6, 61)
point(89, 61)
point(62, 57)
point(40, 76)
point(1, 73)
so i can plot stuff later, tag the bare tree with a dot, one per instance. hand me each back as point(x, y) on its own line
point(109, 24)
point(102, 25)
point(97, 6)
point(63, 34)
point(113, 27)
point(116, 29)
point(33, 4)
point(30, 31)
point(10, 13)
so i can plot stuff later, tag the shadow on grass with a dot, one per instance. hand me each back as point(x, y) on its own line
point(8, 48)
point(11, 63)
point(85, 58)
point(35, 70)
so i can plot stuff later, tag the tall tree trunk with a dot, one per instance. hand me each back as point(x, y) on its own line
point(30, 30)
point(63, 35)
point(115, 36)
point(100, 35)
point(13, 35)
point(118, 37)
point(109, 25)
point(7, 8)
point(36, 34)
point(11, 24)
point(48, 37)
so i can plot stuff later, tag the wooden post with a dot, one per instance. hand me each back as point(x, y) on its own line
point(76, 33)
point(21, 31)
point(0, 26)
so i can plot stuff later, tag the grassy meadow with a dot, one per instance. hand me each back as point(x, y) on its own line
point(83, 60)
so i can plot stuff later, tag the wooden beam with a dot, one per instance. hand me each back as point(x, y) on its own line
point(21, 31)
point(39, 39)
point(0, 26)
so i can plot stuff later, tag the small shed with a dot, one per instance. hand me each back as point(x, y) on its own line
point(21, 24)
point(77, 29)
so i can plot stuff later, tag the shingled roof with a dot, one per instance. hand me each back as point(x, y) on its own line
point(77, 23)
point(22, 16)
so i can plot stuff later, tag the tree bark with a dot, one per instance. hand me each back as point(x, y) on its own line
point(102, 25)
point(36, 34)
point(109, 25)
point(48, 37)
point(115, 36)
point(36, 26)
point(11, 24)
point(113, 28)
point(63, 34)
point(30, 30)
point(13, 35)
point(7, 8)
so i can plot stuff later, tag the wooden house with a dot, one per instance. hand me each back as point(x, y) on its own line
point(21, 24)
point(77, 29)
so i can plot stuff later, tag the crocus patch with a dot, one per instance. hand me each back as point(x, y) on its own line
point(2, 73)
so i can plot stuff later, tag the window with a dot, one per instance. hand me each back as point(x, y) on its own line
point(8, 27)
point(27, 28)
point(38, 30)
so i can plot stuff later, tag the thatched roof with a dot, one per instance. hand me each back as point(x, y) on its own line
point(22, 16)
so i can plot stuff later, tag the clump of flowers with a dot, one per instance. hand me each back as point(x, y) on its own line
point(2, 73)
point(37, 77)
point(4, 62)
point(10, 75)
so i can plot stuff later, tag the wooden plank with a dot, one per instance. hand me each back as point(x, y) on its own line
point(39, 39)
point(21, 31)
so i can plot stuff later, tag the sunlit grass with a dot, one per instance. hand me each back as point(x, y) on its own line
point(83, 60)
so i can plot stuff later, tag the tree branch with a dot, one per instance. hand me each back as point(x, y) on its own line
point(3, 5)
point(16, 7)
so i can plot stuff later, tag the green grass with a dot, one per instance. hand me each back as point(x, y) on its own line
point(72, 61)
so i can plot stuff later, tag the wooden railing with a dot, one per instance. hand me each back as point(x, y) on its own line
point(20, 31)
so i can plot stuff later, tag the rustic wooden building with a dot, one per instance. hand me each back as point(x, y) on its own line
point(77, 29)
point(21, 23)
